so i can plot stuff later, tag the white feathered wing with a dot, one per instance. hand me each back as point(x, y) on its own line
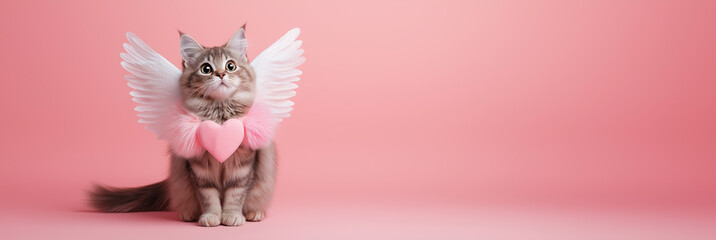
point(276, 74)
point(156, 89)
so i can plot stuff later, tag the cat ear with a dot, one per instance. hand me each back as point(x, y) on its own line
point(190, 49)
point(237, 43)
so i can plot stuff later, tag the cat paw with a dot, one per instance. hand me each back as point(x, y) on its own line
point(232, 219)
point(254, 216)
point(209, 220)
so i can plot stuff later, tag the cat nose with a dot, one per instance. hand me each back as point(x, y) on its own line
point(221, 75)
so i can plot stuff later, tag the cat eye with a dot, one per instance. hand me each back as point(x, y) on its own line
point(231, 66)
point(206, 69)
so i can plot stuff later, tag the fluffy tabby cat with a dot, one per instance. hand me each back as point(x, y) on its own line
point(218, 84)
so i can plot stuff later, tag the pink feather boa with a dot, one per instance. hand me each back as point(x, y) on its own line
point(259, 129)
point(259, 126)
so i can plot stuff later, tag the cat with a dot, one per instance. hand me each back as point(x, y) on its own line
point(217, 83)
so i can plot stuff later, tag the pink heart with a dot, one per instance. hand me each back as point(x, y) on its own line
point(221, 141)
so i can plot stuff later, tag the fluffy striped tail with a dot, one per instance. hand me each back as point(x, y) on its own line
point(139, 199)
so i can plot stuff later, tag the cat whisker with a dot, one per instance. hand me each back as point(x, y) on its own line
point(194, 92)
point(208, 89)
point(204, 91)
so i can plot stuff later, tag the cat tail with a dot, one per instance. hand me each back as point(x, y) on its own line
point(152, 197)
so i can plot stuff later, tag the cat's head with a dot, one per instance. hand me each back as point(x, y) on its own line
point(216, 73)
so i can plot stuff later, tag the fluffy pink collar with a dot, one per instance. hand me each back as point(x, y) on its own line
point(192, 136)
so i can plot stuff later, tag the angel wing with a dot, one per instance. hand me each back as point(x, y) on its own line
point(156, 89)
point(155, 82)
point(276, 74)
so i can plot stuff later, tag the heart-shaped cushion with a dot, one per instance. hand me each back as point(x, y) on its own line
point(221, 140)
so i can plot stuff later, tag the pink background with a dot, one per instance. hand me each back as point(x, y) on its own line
point(413, 119)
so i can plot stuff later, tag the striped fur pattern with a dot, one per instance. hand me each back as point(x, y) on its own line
point(202, 189)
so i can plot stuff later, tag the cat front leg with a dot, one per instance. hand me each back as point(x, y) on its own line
point(209, 193)
point(233, 203)
point(236, 186)
point(211, 207)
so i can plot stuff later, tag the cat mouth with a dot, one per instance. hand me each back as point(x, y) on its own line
point(222, 91)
